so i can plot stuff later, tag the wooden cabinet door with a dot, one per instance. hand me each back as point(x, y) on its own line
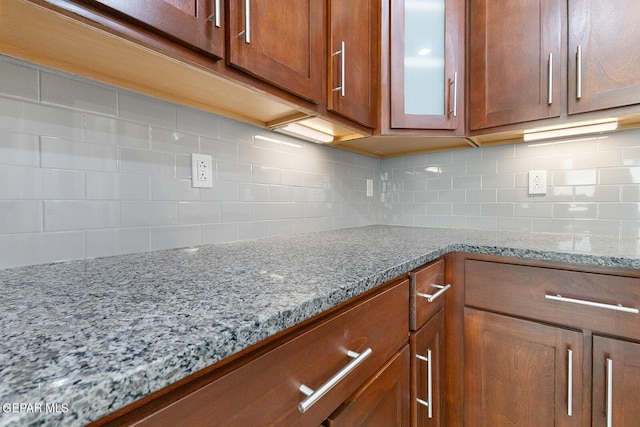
point(427, 75)
point(606, 71)
point(516, 61)
point(383, 401)
point(353, 59)
point(427, 374)
point(616, 382)
point(281, 42)
point(196, 23)
point(517, 373)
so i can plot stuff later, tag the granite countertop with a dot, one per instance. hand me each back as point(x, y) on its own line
point(81, 339)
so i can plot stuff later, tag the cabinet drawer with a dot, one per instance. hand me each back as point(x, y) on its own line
point(425, 281)
point(266, 391)
point(586, 300)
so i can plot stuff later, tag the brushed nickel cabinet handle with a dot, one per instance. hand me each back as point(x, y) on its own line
point(429, 402)
point(609, 392)
point(215, 16)
point(454, 101)
point(579, 72)
point(550, 84)
point(569, 382)
point(314, 395)
point(247, 22)
point(341, 52)
point(593, 304)
point(431, 298)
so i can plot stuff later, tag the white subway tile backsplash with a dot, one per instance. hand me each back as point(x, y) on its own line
point(143, 109)
point(113, 131)
point(28, 117)
point(173, 189)
point(18, 80)
point(77, 94)
point(19, 148)
point(89, 170)
point(234, 172)
point(118, 241)
point(197, 122)
point(140, 214)
point(20, 216)
point(175, 237)
point(237, 212)
point(63, 215)
point(65, 154)
point(173, 141)
point(143, 162)
point(198, 213)
point(112, 186)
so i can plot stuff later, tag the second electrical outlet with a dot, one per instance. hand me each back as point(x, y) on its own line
point(201, 171)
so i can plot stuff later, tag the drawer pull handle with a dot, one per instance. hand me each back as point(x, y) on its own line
point(429, 402)
point(593, 304)
point(431, 298)
point(314, 395)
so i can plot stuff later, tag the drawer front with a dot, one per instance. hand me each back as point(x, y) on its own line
point(584, 300)
point(266, 391)
point(426, 281)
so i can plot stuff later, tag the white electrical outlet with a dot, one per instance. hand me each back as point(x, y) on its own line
point(369, 188)
point(538, 182)
point(201, 171)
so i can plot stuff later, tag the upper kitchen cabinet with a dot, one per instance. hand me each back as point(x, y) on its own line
point(604, 60)
point(516, 58)
point(353, 59)
point(426, 64)
point(281, 42)
point(195, 23)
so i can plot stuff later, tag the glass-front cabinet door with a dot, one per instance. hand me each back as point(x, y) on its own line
point(426, 59)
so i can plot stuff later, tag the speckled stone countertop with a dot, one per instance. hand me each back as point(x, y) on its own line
point(81, 339)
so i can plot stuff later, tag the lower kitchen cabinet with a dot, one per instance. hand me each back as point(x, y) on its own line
point(383, 401)
point(427, 367)
point(286, 382)
point(616, 382)
point(550, 344)
point(521, 373)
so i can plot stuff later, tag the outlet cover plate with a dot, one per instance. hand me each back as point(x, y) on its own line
point(538, 182)
point(201, 171)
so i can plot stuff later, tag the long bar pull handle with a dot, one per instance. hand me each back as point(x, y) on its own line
point(431, 298)
point(579, 72)
point(314, 395)
point(215, 16)
point(609, 392)
point(247, 21)
point(593, 304)
point(454, 102)
point(550, 84)
point(569, 382)
point(429, 402)
point(341, 52)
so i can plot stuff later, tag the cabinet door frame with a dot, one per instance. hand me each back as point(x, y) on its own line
point(307, 81)
point(358, 64)
point(557, 340)
point(625, 362)
point(454, 66)
point(193, 30)
point(581, 33)
point(512, 107)
point(430, 337)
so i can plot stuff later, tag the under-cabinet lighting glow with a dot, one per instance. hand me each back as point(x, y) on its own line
point(580, 128)
point(306, 133)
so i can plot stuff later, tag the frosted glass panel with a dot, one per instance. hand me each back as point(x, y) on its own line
point(424, 57)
